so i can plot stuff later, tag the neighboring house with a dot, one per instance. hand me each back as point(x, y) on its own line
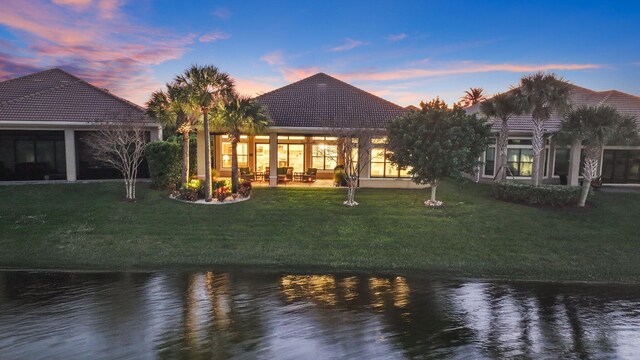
point(618, 164)
point(305, 118)
point(43, 120)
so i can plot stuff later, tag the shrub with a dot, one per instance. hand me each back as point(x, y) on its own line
point(165, 163)
point(340, 176)
point(222, 193)
point(245, 189)
point(221, 183)
point(544, 195)
point(188, 194)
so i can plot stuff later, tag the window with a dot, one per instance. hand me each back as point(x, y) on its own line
point(561, 162)
point(262, 157)
point(519, 142)
point(490, 161)
point(290, 137)
point(40, 150)
point(325, 138)
point(324, 156)
point(212, 154)
point(520, 161)
point(546, 162)
point(291, 155)
point(243, 155)
point(382, 167)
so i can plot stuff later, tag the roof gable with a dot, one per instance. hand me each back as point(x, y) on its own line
point(55, 95)
point(626, 104)
point(321, 101)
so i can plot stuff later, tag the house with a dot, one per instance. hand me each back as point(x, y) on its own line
point(45, 116)
point(618, 164)
point(306, 118)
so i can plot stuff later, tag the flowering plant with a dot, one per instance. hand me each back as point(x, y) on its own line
point(433, 203)
point(245, 189)
point(222, 193)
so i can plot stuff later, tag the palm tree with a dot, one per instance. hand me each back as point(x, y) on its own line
point(206, 86)
point(541, 95)
point(472, 97)
point(236, 115)
point(502, 106)
point(173, 107)
point(596, 126)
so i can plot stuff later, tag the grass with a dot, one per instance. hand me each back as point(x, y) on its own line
point(88, 226)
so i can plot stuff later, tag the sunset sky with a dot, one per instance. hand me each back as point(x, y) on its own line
point(404, 51)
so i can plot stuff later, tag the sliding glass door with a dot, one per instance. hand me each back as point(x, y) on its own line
point(291, 155)
point(621, 167)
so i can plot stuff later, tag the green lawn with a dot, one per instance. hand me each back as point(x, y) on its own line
point(87, 226)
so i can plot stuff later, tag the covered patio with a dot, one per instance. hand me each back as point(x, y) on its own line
point(45, 118)
point(309, 118)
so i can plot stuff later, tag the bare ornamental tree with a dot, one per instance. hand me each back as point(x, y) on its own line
point(354, 153)
point(119, 143)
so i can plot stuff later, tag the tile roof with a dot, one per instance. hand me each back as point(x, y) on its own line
point(625, 103)
point(324, 101)
point(55, 95)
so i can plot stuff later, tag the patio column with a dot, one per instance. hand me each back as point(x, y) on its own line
point(156, 134)
point(70, 153)
point(200, 156)
point(574, 163)
point(273, 159)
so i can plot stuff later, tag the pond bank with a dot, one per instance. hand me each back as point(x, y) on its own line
point(86, 226)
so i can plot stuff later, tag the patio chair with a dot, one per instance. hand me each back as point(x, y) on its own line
point(285, 174)
point(246, 174)
point(310, 175)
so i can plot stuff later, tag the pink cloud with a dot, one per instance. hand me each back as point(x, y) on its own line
point(214, 36)
point(273, 58)
point(222, 13)
point(75, 4)
point(460, 68)
point(11, 64)
point(89, 48)
point(289, 74)
point(108, 9)
point(46, 22)
point(254, 87)
point(295, 74)
point(348, 45)
point(396, 37)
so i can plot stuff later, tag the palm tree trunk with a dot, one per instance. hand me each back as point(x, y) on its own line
point(234, 164)
point(207, 159)
point(185, 158)
point(586, 186)
point(589, 171)
point(537, 145)
point(501, 153)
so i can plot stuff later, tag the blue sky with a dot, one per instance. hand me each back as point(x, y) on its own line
point(404, 51)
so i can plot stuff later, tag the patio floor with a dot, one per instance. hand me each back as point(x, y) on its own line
point(323, 183)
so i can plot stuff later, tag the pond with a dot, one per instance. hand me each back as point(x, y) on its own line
point(219, 315)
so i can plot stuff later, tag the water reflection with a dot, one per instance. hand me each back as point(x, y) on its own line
point(236, 315)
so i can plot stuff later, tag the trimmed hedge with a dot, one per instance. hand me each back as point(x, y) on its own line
point(544, 195)
point(165, 163)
